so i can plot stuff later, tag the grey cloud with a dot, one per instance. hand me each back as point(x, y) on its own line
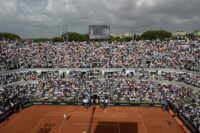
point(45, 18)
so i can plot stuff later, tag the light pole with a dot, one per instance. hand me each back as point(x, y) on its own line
point(65, 34)
point(134, 33)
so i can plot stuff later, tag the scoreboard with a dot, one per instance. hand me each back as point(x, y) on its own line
point(99, 32)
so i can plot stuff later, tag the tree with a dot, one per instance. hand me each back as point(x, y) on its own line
point(191, 36)
point(85, 37)
point(57, 39)
point(154, 34)
point(117, 39)
point(127, 39)
point(73, 36)
point(138, 37)
point(9, 36)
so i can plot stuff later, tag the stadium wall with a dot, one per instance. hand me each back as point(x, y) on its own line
point(109, 104)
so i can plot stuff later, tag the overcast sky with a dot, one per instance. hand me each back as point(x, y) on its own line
point(46, 18)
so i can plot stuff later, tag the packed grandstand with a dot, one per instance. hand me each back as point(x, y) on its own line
point(123, 72)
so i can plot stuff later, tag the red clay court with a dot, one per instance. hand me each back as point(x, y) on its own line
point(49, 119)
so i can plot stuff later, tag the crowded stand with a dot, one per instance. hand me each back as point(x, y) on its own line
point(8, 78)
point(91, 74)
point(142, 54)
point(188, 78)
point(14, 97)
point(56, 89)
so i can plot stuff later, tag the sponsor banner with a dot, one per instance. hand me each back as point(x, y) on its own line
point(55, 103)
point(136, 104)
point(37, 103)
point(109, 104)
point(62, 103)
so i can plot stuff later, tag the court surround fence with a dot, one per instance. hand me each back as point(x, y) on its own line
point(186, 122)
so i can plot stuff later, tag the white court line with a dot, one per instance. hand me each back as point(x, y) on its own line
point(60, 127)
point(84, 113)
point(66, 112)
point(125, 116)
point(87, 114)
point(143, 123)
point(109, 116)
point(39, 123)
point(84, 123)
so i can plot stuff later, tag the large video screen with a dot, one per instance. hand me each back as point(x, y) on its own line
point(99, 32)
